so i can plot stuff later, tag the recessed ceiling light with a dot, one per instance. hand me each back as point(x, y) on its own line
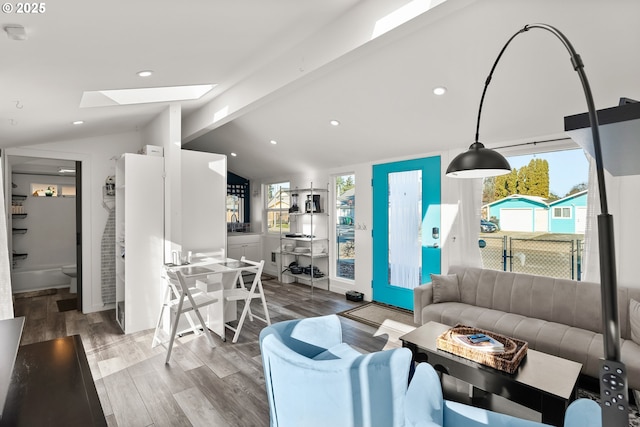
point(145, 73)
point(334, 123)
point(441, 90)
point(78, 122)
point(273, 141)
point(66, 170)
point(233, 154)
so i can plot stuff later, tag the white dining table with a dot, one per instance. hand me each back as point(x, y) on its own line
point(214, 275)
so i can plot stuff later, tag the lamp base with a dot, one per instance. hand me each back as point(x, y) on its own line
point(614, 394)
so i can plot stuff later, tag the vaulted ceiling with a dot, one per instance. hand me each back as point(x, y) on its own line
point(285, 68)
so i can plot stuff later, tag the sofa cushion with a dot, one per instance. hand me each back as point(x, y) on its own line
point(445, 288)
point(634, 319)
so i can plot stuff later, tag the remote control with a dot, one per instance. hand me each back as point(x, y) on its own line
point(614, 393)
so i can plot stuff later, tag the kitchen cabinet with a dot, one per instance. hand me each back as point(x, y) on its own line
point(139, 241)
point(304, 246)
point(244, 244)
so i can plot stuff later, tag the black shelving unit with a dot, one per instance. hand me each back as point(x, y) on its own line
point(16, 201)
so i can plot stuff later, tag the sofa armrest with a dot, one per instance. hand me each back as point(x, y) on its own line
point(422, 296)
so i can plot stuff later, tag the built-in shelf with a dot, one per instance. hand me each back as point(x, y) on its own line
point(19, 216)
point(18, 257)
point(18, 197)
point(19, 230)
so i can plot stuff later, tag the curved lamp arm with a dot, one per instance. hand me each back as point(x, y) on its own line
point(611, 327)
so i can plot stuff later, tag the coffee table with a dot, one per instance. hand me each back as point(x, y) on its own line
point(543, 382)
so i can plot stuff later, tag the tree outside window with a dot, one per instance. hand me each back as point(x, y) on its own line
point(277, 207)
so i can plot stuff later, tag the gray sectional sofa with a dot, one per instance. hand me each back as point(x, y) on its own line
point(555, 316)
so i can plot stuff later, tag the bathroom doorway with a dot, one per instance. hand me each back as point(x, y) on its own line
point(46, 223)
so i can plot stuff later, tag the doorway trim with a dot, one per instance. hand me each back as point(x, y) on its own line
point(429, 225)
point(85, 272)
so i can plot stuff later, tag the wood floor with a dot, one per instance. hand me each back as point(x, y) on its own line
point(220, 386)
point(203, 386)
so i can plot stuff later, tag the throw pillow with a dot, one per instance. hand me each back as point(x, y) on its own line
point(634, 319)
point(445, 288)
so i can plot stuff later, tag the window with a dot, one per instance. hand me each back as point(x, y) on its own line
point(237, 206)
point(539, 215)
point(345, 227)
point(277, 207)
point(44, 190)
point(564, 213)
point(236, 194)
point(68, 190)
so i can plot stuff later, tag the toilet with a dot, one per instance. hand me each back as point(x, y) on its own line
point(71, 271)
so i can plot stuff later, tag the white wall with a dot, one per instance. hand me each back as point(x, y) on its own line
point(165, 131)
point(204, 192)
point(98, 161)
point(195, 188)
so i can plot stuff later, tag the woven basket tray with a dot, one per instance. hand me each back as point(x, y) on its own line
point(507, 361)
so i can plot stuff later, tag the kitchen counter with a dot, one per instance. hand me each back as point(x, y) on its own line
point(52, 385)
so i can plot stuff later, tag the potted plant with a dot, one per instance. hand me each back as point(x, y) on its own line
point(50, 191)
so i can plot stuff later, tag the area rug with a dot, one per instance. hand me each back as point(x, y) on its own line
point(376, 314)
point(67, 304)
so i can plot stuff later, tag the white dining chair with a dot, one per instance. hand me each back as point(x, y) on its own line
point(247, 294)
point(185, 299)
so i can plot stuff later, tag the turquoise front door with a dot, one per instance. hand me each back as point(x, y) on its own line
point(406, 228)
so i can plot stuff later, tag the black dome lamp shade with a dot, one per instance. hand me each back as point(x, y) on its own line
point(478, 162)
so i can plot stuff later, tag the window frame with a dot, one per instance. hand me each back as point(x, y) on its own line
point(335, 226)
point(562, 211)
point(278, 211)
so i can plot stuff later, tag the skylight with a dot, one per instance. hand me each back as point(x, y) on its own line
point(402, 15)
point(103, 98)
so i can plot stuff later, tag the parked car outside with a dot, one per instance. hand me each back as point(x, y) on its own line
point(487, 227)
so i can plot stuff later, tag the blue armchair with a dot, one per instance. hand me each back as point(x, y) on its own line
point(314, 379)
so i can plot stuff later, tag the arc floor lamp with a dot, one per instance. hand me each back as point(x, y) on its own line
point(479, 162)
